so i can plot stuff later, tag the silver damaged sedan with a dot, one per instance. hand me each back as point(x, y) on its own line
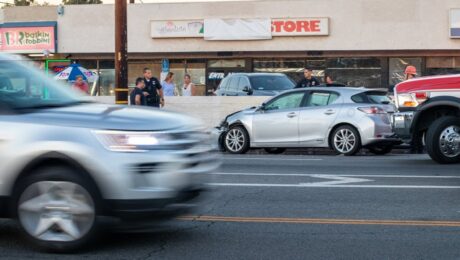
point(342, 118)
point(67, 165)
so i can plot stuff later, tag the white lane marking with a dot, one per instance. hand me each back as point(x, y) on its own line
point(333, 175)
point(271, 158)
point(300, 185)
point(338, 180)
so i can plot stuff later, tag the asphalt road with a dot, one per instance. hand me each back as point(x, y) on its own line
point(300, 207)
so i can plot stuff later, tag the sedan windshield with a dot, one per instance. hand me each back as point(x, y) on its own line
point(23, 86)
point(271, 82)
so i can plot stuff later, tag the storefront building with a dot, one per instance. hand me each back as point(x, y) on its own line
point(358, 43)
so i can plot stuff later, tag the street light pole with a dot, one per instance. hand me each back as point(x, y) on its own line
point(121, 52)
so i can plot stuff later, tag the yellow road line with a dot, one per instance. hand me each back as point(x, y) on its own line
point(323, 221)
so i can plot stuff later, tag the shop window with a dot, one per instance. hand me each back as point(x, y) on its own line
point(197, 72)
point(398, 65)
point(106, 82)
point(357, 72)
point(293, 68)
point(442, 65)
point(226, 63)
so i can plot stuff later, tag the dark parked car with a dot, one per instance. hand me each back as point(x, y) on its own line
point(254, 84)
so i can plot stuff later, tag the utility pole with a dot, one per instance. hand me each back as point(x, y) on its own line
point(121, 52)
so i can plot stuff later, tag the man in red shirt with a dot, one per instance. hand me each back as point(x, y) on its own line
point(80, 85)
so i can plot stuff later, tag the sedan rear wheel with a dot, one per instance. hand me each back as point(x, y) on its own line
point(346, 140)
point(236, 140)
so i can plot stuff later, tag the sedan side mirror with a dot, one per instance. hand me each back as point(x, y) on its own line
point(262, 107)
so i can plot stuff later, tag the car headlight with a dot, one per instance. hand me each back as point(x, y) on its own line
point(123, 141)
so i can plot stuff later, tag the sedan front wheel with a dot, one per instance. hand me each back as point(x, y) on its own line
point(237, 140)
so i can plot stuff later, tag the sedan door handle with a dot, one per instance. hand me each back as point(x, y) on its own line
point(329, 112)
point(292, 114)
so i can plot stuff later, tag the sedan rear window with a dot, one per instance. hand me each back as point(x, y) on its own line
point(371, 97)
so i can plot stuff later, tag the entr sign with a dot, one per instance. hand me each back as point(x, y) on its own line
point(300, 26)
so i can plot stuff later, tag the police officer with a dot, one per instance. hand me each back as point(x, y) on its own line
point(153, 90)
point(309, 80)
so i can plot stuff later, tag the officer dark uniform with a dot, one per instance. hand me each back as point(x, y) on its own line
point(152, 86)
point(306, 83)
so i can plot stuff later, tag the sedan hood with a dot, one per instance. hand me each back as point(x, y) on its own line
point(111, 117)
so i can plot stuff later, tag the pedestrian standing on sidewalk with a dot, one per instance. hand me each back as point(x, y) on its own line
point(153, 90)
point(308, 80)
point(189, 87)
point(137, 96)
point(168, 85)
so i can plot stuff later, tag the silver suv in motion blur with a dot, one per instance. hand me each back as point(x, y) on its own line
point(65, 164)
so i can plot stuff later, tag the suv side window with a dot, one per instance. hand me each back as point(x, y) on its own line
point(321, 98)
point(223, 84)
point(233, 84)
point(288, 101)
point(244, 82)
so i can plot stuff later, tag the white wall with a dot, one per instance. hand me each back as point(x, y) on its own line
point(29, 14)
point(354, 25)
point(87, 29)
point(211, 110)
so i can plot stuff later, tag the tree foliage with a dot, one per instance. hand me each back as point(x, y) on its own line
point(81, 2)
point(23, 2)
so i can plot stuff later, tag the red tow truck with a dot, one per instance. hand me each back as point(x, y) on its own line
point(429, 113)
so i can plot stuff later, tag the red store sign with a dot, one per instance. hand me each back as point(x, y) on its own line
point(300, 26)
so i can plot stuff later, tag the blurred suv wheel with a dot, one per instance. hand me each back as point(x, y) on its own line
point(56, 209)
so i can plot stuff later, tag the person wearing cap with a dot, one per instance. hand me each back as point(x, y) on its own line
point(410, 72)
point(309, 80)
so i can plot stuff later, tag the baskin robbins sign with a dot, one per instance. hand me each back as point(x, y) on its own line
point(227, 29)
point(28, 38)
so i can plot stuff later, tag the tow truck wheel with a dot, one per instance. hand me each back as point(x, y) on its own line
point(443, 140)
